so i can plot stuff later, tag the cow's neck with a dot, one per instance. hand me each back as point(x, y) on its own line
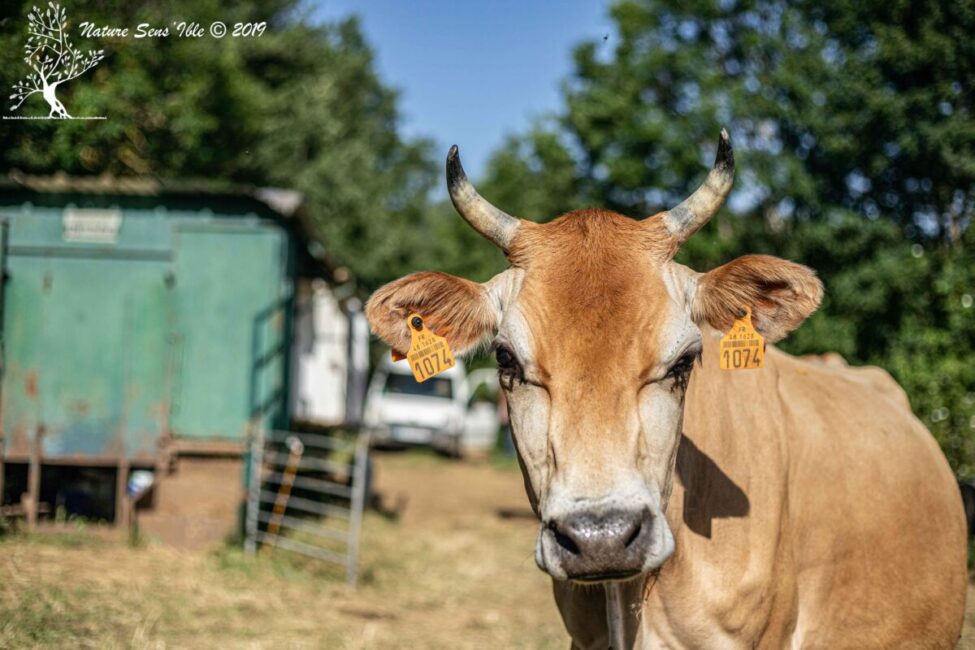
point(725, 510)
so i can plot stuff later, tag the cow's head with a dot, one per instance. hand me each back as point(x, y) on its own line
point(596, 331)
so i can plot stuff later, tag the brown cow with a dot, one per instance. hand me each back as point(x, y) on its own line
point(810, 507)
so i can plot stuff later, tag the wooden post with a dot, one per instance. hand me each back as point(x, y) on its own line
point(122, 492)
point(295, 450)
point(2, 468)
point(33, 500)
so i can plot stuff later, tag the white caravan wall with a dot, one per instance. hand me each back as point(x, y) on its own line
point(320, 364)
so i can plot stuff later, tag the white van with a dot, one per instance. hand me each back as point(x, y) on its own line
point(439, 412)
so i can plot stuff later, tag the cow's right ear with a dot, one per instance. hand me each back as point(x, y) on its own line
point(459, 310)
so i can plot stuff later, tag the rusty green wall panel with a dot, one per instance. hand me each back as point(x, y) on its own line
point(86, 346)
point(179, 326)
point(230, 291)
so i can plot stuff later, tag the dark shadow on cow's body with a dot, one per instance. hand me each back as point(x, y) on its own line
point(708, 492)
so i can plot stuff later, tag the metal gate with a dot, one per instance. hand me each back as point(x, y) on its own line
point(306, 494)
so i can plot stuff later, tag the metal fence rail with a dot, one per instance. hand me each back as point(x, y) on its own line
point(306, 495)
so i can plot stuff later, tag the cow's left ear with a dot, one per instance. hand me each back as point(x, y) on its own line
point(780, 294)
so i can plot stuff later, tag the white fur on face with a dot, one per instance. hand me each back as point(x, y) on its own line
point(625, 481)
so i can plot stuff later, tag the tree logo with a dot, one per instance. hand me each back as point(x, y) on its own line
point(54, 61)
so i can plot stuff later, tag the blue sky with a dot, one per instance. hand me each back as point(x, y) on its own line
point(472, 71)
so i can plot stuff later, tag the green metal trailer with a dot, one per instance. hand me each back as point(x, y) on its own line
point(142, 319)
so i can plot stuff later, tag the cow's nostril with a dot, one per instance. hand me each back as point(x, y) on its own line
point(563, 540)
point(633, 536)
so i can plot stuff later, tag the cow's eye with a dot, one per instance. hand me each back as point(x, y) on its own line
point(680, 371)
point(508, 367)
point(506, 358)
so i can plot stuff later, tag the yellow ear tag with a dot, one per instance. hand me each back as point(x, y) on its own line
point(429, 354)
point(742, 347)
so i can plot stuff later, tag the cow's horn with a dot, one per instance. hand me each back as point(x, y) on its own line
point(688, 217)
point(497, 226)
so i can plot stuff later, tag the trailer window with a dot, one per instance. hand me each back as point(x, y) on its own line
point(406, 385)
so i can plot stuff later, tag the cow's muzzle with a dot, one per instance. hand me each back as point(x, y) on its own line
point(593, 547)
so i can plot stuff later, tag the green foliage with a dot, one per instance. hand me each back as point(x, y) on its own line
point(534, 176)
point(852, 123)
point(855, 141)
point(299, 107)
point(932, 355)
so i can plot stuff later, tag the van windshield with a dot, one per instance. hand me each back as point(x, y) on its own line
point(405, 385)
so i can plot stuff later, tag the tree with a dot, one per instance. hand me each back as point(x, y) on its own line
point(53, 59)
point(300, 107)
point(854, 133)
point(333, 137)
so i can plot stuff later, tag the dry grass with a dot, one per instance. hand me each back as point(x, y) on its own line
point(450, 573)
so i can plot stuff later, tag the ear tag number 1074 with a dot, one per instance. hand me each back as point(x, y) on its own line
point(429, 354)
point(742, 348)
